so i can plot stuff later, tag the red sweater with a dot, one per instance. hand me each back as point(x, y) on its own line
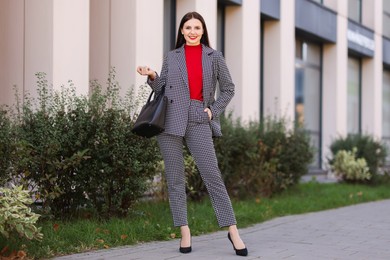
point(194, 70)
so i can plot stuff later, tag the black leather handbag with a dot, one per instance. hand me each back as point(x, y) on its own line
point(151, 119)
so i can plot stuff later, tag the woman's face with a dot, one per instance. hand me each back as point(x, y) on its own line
point(192, 31)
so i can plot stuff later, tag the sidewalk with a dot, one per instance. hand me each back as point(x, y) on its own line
point(356, 232)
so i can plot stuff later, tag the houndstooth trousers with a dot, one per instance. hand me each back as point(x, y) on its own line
point(198, 138)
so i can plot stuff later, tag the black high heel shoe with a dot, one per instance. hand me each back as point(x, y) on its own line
point(240, 252)
point(185, 250)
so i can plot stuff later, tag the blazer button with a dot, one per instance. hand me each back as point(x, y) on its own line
point(170, 86)
point(171, 101)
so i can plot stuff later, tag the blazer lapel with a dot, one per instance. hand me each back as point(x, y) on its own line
point(207, 70)
point(181, 62)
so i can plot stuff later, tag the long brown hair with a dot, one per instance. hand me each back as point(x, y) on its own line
point(180, 37)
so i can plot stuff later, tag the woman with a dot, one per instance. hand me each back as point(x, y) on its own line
point(189, 74)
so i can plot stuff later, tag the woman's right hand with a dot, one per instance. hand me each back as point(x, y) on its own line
point(146, 71)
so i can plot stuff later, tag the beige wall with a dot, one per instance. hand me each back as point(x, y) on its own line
point(279, 63)
point(242, 53)
point(70, 42)
point(99, 39)
point(38, 42)
point(122, 41)
point(125, 34)
point(368, 14)
point(148, 36)
point(44, 36)
point(11, 48)
point(373, 74)
point(335, 67)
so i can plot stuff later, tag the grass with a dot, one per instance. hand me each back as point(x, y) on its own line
point(152, 221)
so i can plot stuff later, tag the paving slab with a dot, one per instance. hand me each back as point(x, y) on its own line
point(358, 232)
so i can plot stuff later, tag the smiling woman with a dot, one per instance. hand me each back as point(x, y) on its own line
point(192, 32)
point(195, 21)
point(189, 76)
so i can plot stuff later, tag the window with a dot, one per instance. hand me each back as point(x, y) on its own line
point(308, 93)
point(355, 10)
point(386, 18)
point(221, 28)
point(169, 25)
point(354, 96)
point(386, 111)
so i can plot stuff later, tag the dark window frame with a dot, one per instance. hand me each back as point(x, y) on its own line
point(318, 2)
point(221, 45)
point(360, 5)
point(261, 70)
point(169, 25)
point(387, 14)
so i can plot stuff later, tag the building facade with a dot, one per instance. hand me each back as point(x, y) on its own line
point(324, 64)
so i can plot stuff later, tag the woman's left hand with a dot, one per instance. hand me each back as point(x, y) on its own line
point(146, 71)
point(208, 111)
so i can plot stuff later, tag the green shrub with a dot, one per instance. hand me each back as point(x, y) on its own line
point(290, 146)
point(262, 158)
point(78, 152)
point(349, 168)
point(16, 218)
point(236, 149)
point(373, 152)
point(5, 145)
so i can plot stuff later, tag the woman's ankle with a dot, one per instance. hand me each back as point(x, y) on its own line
point(233, 230)
point(185, 236)
point(185, 229)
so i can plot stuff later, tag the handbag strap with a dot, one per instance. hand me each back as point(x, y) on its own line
point(150, 96)
point(153, 92)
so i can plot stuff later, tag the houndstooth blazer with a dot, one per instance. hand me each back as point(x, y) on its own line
point(174, 77)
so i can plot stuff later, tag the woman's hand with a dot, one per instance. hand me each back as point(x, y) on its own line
point(208, 111)
point(146, 71)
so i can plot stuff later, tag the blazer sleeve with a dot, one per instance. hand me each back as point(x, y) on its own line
point(226, 86)
point(160, 81)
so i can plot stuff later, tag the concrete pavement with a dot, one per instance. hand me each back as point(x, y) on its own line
point(355, 232)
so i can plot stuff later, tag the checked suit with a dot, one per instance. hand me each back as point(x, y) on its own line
point(187, 123)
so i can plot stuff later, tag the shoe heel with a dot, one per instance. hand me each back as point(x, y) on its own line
point(185, 250)
point(240, 252)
